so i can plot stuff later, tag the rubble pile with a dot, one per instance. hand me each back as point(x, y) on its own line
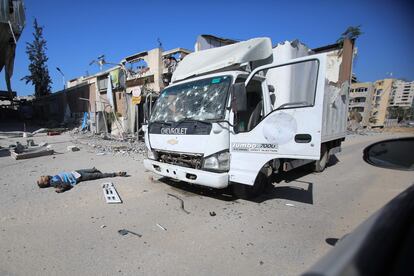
point(105, 144)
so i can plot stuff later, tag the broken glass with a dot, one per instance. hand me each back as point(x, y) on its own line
point(198, 100)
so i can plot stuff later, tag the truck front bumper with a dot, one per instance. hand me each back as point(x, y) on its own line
point(204, 178)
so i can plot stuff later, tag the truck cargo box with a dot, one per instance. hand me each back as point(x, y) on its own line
point(299, 78)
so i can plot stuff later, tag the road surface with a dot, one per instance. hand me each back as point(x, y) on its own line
point(283, 232)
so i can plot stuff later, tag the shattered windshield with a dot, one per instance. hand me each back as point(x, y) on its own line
point(198, 100)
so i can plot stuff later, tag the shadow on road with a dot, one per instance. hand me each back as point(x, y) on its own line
point(332, 160)
point(272, 191)
point(291, 193)
point(288, 192)
point(189, 190)
point(331, 241)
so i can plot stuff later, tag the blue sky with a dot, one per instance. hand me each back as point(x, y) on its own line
point(77, 31)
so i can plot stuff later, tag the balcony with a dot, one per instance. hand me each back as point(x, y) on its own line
point(358, 95)
point(357, 104)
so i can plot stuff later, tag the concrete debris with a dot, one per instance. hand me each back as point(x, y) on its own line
point(182, 203)
point(19, 148)
point(40, 130)
point(105, 144)
point(25, 134)
point(124, 232)
point(30, 143)
point(163, 228)
point(53, 133)
point(11, 134)
point(73, 148)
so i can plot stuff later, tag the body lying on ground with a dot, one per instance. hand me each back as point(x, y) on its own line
point(65, 181)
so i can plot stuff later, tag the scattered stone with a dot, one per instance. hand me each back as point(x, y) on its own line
point(73, 148)
point(212, 213)
point(107, 144)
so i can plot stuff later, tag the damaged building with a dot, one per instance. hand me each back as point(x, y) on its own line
point(12, 22)
point(117, 97)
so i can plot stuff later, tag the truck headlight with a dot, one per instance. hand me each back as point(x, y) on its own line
point(217, 162)
point(152, 154)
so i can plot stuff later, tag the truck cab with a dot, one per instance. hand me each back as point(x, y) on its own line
point(238, 114)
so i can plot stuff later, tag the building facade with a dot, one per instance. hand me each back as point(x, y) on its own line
point(402, 94)
point(133, 80)
point(380, 102)
point(360, 100)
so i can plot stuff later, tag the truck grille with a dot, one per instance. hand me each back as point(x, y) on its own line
point(180, 159)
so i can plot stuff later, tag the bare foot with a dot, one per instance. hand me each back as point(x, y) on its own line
point(121, 174)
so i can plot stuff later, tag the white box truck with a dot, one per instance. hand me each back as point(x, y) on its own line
point(234, 115)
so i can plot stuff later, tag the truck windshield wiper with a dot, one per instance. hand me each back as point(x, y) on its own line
point(161, 122)
point(190, 120)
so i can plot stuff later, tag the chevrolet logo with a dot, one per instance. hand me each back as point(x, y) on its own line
point(172, 141)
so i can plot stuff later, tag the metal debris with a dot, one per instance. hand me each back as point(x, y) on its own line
point(212, 213)
point(163, 228)
point(124, 232)
point(110, 193)
point(182, 203)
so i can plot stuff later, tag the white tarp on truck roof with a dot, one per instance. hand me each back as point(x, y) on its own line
point(222, 57)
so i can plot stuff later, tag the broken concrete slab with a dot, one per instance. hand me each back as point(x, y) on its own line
point(31, 153)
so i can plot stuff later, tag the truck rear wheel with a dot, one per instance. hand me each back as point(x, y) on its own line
point(246, 192)
point(320, 165)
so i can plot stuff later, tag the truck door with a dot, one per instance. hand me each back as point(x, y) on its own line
point(292, 129)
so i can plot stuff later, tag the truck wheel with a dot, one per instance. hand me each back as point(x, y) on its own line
point(320, 165)
point(245, 191)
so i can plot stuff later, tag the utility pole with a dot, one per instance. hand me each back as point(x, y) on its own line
point(63, 77)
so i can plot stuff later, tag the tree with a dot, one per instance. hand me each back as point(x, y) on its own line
point(39, 74)
point(400, 113)
point(352, 32)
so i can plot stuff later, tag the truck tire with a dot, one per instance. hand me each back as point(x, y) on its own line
point(246, 192)
point(320, 165)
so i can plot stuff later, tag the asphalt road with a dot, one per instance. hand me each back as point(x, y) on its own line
point(283, 232)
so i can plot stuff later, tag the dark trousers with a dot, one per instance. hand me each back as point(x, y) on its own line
point(91, 174)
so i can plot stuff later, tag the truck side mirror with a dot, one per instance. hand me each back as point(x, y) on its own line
point(238, 97)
